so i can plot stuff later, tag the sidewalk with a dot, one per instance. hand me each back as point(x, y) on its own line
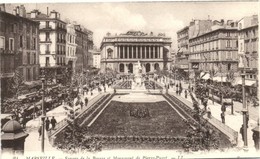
point(233, 121)
point(32, 142)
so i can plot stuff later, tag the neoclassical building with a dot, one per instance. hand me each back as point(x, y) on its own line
point(122, 52)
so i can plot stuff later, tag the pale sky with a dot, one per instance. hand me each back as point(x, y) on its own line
point(165, 17)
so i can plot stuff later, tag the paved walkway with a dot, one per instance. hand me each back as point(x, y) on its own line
point(233, 121)
point(33, 142)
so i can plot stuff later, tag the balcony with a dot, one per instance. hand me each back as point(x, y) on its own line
point(62, 29)
point(2, 51)
point(61, 41)
point(47, 40)
point(6, 75)
point(45, 28)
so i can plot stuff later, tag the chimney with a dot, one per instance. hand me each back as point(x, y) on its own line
point(47, 11)
point(17, 11)
point(22, 11)
point(14, 11)
point(2, 7)
point(222, 21)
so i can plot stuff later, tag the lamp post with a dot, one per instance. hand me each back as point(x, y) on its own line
point(244, 110)
point(221, 82)
point(187, 56)
point(43, 109)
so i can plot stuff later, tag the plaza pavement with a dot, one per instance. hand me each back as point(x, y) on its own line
point(233, 121)
point(33, 142)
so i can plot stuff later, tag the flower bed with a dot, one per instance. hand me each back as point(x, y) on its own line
point(123, 85)
point(203, 127)
point(152, 85)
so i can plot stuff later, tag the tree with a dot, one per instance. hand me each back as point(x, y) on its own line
point(16, 83)
point(212, 74)
point(230, 77)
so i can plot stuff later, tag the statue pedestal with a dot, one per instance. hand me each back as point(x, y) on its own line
point(138, 80)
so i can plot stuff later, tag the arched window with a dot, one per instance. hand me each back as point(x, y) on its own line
point(121, 67)
point(109, 53)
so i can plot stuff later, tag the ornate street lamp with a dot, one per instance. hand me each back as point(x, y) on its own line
point(42, 92)
point(244, 110)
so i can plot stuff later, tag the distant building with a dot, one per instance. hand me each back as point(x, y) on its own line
point(248, 49)
point(71, 47)
point(173, 54)
point(122, 52)
point(96, 58)
point(19, 45)
point(216, 49)
point(195, 28)
point(81, 49)
point(181, 61)
point(90, 58)
point(52, 41)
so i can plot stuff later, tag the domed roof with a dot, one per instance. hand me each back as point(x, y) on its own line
point(12, 126)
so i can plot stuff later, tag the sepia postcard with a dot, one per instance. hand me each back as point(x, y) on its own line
point(129, 79)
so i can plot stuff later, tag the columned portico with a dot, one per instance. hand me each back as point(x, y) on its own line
point(131, 48)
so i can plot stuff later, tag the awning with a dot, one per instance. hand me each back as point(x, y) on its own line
point(247, 82)
point(220, 79)
point(206, 77)
point(3, 116)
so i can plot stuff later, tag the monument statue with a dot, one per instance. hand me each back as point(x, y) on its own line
point(139, 67)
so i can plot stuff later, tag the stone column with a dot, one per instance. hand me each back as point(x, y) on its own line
point(116, 53)
point(158, 51)
point(127, 52)
point(123, 51)
point(161, 52)
point(145, 52)
point(136, 51)
point(149, 52)
point(141, 52)
point(154, 52)
point(132, 52)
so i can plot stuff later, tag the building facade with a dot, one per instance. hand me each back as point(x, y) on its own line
point(248, 46)
point(81, 49)
point(19, 45)
point(52, 41)
point(96, 58)
point(90, 58)
point(181, 61)
point(121, 52)
point(71, 47)
point(215, 50)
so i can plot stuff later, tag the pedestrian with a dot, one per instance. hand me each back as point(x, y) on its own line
point(205, 102)
point(40, 132)
point(86, 101)
point(242, 132)
point(53, 123)
point(223, 117)
point(91, 93)
point(223, 107)
point(104, 89)
point(185, 93)
point(209, 112)
point(256, 139)
point(47, 123)
point(192, 89)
